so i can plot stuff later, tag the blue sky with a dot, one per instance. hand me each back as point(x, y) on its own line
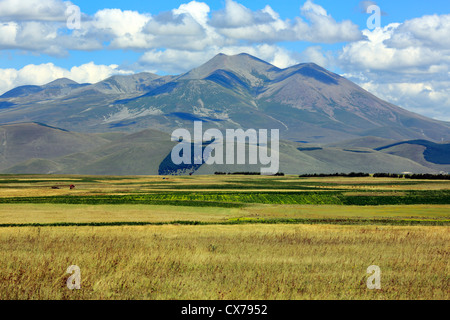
point(406, 61)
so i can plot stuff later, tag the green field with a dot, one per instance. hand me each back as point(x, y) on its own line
point(223, 237)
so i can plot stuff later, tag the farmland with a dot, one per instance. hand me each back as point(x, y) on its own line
point(223, 237)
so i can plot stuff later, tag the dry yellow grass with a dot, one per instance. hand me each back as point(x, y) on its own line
point(366, 212)
point(225, 262)
point(81, 213)
point(218, 261)
point(77, 213)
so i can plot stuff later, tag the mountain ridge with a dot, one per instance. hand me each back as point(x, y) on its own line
point(305, 102)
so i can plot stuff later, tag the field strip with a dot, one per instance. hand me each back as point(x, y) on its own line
point(392, 222)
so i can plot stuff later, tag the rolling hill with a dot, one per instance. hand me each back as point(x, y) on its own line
point(52, 150)
point(427, 153)
point(26, 141)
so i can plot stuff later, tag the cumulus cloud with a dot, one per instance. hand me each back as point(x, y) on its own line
point(198, 10)
point(375, 53)
point(43, 37)
point(170, 23)
point(405, 63)
point(415, 46)
point(182, 28)
point(122, 28)
point(318, 56)
point(324, 28)
point(235, 15)
point(428, 98)
point(427, 31)
point(31, 36)
point(33, 10)
point(238, 22)
point(172, 60)
point(39, 26)
point(45, 73)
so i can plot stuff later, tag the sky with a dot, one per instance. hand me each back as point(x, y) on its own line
point(400, 53)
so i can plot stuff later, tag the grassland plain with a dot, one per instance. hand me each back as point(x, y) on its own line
point(223, 237)
point(225, 262)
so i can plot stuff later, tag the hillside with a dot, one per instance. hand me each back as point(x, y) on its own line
point(37, 149)
point(430, 154)
point(26, 141)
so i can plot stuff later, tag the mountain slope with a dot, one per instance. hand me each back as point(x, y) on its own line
point(364, 142)
point(430, 154)
point(39, 149)
point(55, 88)
point(22, 142)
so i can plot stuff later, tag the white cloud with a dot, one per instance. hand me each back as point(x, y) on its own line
point(406, 64)
point(33, 10)
point(45, 73)
point(123, 28)
point(240, 23)
point(235, 15)
point(316, 55)
point(120, 23)
point(429, 98)
point(39, 26)
point(324, 28)
point(8, 33)
point(171, 24)
point(182, 28)
point(273, 54)
point(198, 10)
point(28, 35)
point(375, 54)
point(431, 31)
point(92, 73)
point(43, 37)
point(173, 61)
point(311, 8)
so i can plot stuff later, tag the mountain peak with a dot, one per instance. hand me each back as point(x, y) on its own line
point(247, 67)
point(238, 59)
point(62, 82)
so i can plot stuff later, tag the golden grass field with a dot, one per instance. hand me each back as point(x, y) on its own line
point(214, 262)
point(225, 262)
point(80, 213)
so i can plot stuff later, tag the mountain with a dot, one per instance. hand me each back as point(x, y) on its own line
point(305, 102)
point(75, 107)
point(122, 125)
